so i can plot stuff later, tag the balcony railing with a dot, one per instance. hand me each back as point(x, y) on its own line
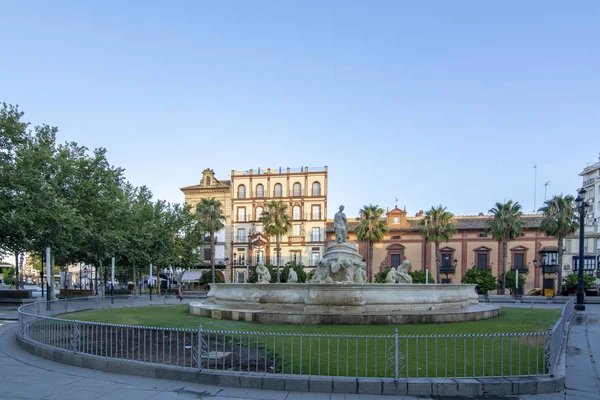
point(549, 269)
point(522, 270)
point(447, 269)
point(315, 237)
point(589, 181)
point(240, 238)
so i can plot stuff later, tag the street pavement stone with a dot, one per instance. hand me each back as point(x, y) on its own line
point(26, 376)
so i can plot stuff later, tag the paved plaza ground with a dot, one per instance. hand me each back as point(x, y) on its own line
point(26, 376)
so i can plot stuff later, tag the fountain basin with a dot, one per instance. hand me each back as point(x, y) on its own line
point(306, 303)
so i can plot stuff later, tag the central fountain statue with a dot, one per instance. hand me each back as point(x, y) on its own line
point(341, 262)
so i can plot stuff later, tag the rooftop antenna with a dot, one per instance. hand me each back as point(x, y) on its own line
point(546, 189)
point(534, 187)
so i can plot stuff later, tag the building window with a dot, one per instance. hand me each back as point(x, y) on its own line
point(297, 213)
point(447, 261)
point(297, 189)
point(316, 234)
point(241, 214)
point(208, 181)
point(315, 257)
point(395, 260)
point(396, 237)
point(482, 235)
point(482, 260)
point(589, 264)
point(296, 257)
point(519, 261)
point(278, 190)
point(259, 228)
point(241, 192)
point(258, 212)
point(316, 212)
point(316, 189)
point(207, 254)
point(241, 235)
point(260, 190)
point(296, 229)
point(395, 220)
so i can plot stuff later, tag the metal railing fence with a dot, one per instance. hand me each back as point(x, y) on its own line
point(558, 334)
point(385, 356)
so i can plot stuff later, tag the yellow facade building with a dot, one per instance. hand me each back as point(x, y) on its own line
point(244, 198)
point(532, 253)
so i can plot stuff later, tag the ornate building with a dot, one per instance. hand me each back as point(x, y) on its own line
point(242, 243)
point(531, 254)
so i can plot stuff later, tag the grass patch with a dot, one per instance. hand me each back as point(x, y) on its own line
point(511, 320)
point(464, 349)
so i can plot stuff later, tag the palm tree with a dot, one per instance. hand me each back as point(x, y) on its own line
point(438, 227)
point(560, 220)
point(371, 228)
point(505, 225)
point(277, 222)
point(211, 220)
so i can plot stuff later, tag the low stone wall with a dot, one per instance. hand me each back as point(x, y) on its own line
point(302, 383)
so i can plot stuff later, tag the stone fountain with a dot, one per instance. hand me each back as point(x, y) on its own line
point(338, 294)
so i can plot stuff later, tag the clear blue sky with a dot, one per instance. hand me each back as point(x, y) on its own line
point(445, 102)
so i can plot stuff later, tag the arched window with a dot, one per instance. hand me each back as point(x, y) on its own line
point(316, 189)
point(208, 181)
point(258, 212)
point(297, 213)
point(260, 190)
point(297, 189)
point(278, 190)
point(241, 192)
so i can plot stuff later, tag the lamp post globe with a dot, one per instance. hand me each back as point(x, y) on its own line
point(581, 206)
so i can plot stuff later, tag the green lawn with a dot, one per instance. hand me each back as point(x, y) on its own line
point(511, 320)
point(466, 349)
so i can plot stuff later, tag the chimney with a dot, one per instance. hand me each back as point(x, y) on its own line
point(419, 214)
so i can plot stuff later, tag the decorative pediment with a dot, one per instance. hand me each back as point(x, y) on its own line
point(482, 249)
point(519, 248)
point(258, 240)
point(447, 249)
point(395, 246)
point(396, 218)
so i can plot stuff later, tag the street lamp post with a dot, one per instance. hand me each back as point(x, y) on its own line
point(20, 278)
point(581, 206)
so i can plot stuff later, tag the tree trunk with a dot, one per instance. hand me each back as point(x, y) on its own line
point(278, 259)
point(16, 270)
point(134, 281)
point(504, 259)
point(158, 282)
point(437, 262)
point(559, 277)
point(50, 279)
point(212, 255)
point(370, 262)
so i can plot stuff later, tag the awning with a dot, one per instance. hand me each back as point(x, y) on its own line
point(192, 275)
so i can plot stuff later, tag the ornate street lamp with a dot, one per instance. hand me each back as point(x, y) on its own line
point(581, 206)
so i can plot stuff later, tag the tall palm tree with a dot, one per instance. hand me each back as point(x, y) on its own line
point(211, 220)
point(560, 220)
point(505, 225)
point(437, 226)
point(371, 228)
point(277, 222)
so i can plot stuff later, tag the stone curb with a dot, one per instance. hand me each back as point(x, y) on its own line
point(304, 383)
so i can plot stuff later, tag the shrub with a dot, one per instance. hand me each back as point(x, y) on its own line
point(310, 275)
point(483, 278)
point(511, 281)
point(589, 282)
point(380, 277)
point(419, 276)
point(207, 277)
point(273, 271)
point(9, 276)
point(299, 268)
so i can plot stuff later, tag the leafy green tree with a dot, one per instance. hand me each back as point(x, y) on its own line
point(381, 276)
point(371, 228)
point(211, 221)
point(277, 222)
point(437, 226)
point(511, 281)
point(560, 220)
point(483, 278)
point(505, 225)
point(9, 277)
point(589, 282)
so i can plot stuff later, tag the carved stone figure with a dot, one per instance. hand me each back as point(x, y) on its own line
point(402, 275)
point(292, 277)
point(264, 276)
point(391, 276)
point(340, 226)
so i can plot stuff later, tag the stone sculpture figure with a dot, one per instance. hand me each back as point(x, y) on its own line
point(264, 276)
point(292, 276)
point(340, 226)
point(402, 275)
point(391, 276)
